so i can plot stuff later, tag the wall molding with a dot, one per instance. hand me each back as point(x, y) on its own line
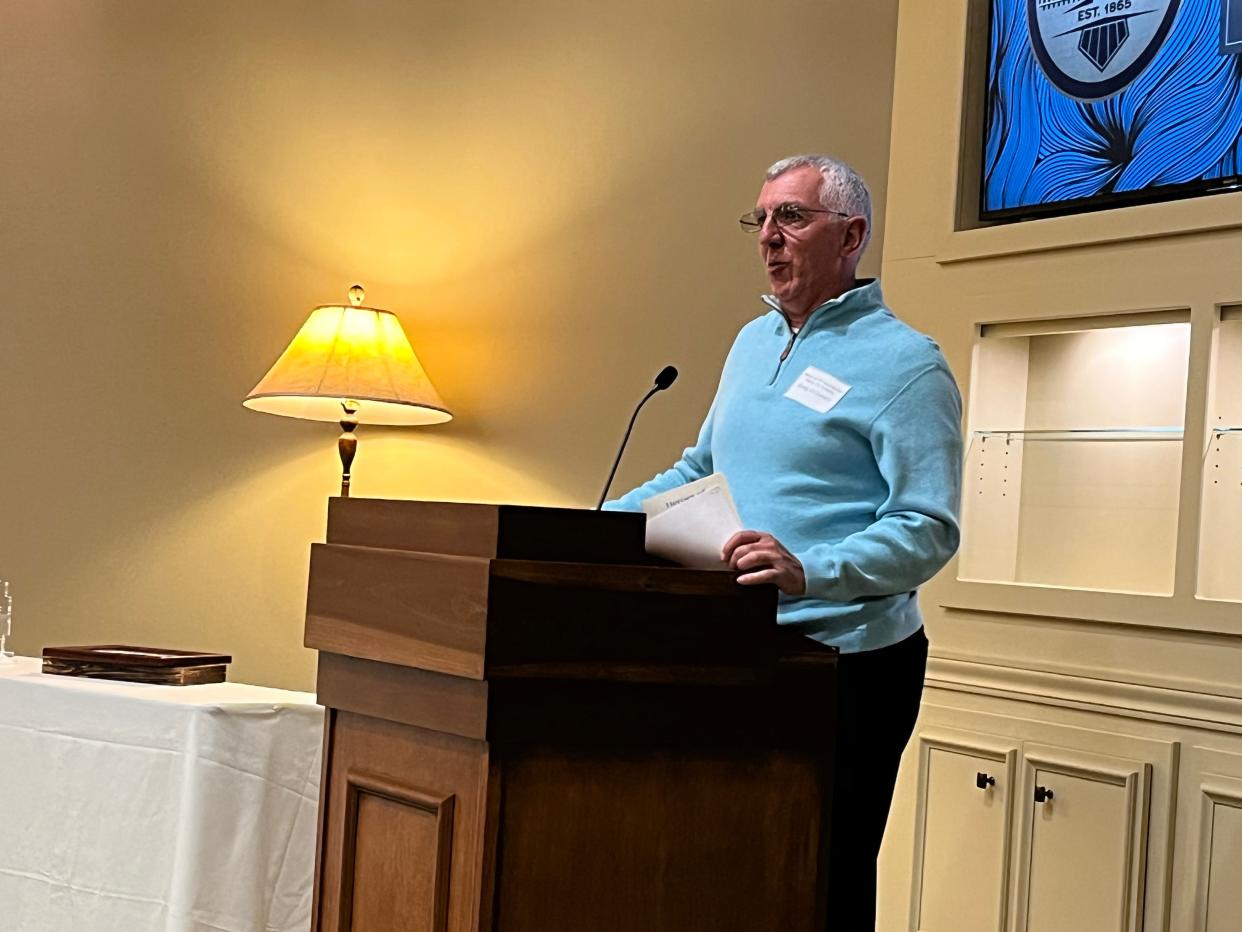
point(1139, 701)
point(1148, 678)
point(1181, 613)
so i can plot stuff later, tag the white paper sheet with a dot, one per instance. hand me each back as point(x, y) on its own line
point(690, 524)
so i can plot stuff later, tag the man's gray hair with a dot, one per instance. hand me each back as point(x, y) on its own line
point(843, 188)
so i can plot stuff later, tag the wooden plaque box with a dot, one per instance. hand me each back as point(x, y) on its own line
point(535, 727)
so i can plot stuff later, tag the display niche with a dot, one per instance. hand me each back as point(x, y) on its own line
point(1074, 452)
point(1220, 574)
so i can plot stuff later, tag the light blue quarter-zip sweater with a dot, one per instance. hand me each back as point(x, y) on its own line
point(864, 494)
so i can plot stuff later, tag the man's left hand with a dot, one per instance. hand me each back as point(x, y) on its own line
point(761, 558)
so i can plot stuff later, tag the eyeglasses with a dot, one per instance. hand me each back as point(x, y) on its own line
point(786, 216)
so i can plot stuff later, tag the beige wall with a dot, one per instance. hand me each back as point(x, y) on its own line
point(545, 193)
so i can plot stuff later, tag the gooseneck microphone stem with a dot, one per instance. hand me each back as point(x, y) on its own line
point(621, 449)
point(666, 378)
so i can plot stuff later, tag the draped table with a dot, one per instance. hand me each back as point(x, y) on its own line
point(139, 808)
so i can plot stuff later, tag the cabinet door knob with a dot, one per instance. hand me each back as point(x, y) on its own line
point(1042, 794)
point(983, 780)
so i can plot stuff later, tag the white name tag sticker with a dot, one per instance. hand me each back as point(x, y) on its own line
point(818, 390)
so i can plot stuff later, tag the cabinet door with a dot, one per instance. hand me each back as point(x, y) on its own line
point(1221, 855)
point(1082, 842)
point(1210, 842)
point(962, 845)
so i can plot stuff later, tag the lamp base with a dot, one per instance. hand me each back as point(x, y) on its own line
point(347, 443)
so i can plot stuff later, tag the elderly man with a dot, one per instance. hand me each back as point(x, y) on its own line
point(838, 429)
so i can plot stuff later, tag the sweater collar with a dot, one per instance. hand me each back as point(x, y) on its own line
point(865, 296)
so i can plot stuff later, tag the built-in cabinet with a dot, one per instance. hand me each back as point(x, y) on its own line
point(1074, 455)
point(1096, 453)
point(1098, 448)
point(1222, 464)
point(1030, 816)
point(1087, 639)
point(1097, 794)
point(1027, 826)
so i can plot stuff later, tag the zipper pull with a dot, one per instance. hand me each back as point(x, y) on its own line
point(793, 335)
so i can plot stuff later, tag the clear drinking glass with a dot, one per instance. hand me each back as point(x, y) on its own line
point(6, 619)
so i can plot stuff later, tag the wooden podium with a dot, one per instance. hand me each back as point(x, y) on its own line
point(535, 727)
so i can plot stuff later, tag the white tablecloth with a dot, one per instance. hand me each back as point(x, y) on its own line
point(130, 808)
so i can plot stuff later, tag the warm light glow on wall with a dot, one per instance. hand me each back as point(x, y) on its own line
point(544, 192)
point(440, 166)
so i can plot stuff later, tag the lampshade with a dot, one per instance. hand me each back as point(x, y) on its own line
point(352, 353)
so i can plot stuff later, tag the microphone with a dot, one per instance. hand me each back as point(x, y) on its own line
point(667, 376)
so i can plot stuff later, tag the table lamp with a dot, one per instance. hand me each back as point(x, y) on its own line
point(354, 365)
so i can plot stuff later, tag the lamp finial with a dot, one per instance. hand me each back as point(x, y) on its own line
point(356, 295)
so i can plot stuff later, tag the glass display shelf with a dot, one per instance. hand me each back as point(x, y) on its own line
point(1071, 434)
point(1073, 508)
point(1073, 470)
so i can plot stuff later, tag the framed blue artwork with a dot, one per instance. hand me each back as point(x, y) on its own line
point(1098, 103)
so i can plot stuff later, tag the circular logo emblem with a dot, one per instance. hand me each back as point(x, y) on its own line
point(1093, 48)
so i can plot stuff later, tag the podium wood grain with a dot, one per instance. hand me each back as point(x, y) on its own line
point(522, 741)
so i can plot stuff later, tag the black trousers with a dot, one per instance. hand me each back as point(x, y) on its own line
point(877, 704)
